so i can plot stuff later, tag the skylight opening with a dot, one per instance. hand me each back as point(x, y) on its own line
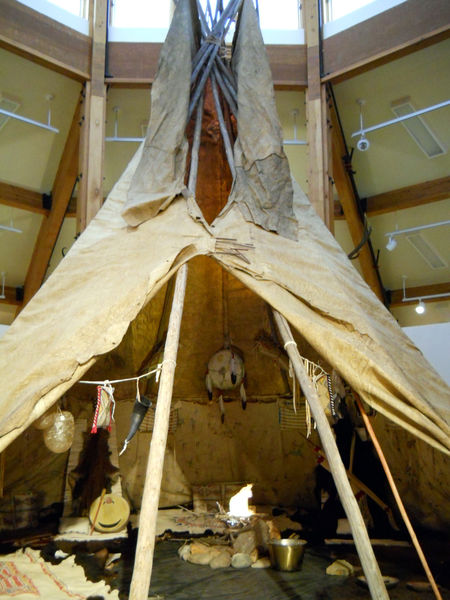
point(335, 9)
point(281, 14)
point(273, 14)
point(137, 13)
point(76, 7)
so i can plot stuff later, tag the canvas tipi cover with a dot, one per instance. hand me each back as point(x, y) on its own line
point(268, 236)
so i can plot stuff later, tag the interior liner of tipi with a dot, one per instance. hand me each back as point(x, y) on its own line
point(207, 339)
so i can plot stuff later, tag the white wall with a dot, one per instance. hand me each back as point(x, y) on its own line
point(434, 342)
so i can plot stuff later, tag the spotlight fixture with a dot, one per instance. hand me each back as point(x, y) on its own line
point(406, 114)
point(116, 137)
point(363, 143)
point(420, 308)
point(392, 244)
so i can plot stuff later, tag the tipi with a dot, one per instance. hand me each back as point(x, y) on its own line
point(267, 238)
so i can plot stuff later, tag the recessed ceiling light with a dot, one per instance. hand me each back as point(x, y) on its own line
point(426, 251)
point(418, 129)
point(7, 103)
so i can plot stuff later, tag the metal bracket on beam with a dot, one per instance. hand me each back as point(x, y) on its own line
point(47, 201)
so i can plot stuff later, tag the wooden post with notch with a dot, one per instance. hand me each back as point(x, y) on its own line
point(90, 193)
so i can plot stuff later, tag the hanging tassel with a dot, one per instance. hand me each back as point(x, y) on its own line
point(97, 408)
point(233, 374)
point(110, 403)
point(308, 418)
point(105, 404)
point(222, 409)
point(138, 393)
point(243, 396)
point(209, 387)
point(332, 398)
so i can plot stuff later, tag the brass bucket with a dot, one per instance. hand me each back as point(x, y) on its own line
point(287, 555)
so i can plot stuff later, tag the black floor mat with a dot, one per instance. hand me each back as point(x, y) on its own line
point(175, 579)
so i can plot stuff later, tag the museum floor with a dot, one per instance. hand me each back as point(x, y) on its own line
point(178, 580)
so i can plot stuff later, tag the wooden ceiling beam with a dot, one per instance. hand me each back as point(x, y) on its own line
point(406, 197)
point(35, 36)
point(62, 191)
point(396, 32)
point(401, 30)
point(134, 64)
point(419, 292)
point(11, 297)
point(409, 196)
point(349, 203)
point(17, 197)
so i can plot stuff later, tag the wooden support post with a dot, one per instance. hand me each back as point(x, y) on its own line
point(349, 503)
point(319, 180)
point(61, 193)
point(398, 499)
point(348, 201)
point(143, 563)
point(90, 193)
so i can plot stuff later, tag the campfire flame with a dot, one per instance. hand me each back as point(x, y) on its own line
point(239, 502)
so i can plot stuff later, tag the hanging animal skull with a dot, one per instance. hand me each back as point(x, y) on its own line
point(226, 371)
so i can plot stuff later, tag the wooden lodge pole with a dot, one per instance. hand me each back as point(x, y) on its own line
point(398, 499)
point(349, 503)
point(145, 546)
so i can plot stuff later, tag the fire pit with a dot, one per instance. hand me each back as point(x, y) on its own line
point(247, 536)
point(240, 517)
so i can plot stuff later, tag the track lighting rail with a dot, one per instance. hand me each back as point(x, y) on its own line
point(422, 111)
point(46, 126)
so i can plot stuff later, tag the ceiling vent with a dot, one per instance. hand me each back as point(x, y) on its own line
point(421, 133)
point(428, 253)
point(7, 103)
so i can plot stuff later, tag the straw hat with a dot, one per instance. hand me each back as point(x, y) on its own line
point(109, 514)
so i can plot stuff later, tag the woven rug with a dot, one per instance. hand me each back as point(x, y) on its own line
point(24, 575)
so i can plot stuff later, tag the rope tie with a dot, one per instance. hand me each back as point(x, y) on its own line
point(160, 366)
point(138, 393)
point(137, 378)
point(290, 342)
point(211, 39)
